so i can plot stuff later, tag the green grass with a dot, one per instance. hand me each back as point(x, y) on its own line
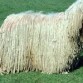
point(14, 6)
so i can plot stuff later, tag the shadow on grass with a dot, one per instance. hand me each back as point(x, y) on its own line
point(79, 64)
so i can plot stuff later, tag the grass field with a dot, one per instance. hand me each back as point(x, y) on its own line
point(14, 6)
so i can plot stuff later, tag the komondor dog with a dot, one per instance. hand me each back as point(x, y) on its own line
point(49, 43)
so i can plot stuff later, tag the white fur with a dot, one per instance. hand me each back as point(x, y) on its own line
point(41, 42)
